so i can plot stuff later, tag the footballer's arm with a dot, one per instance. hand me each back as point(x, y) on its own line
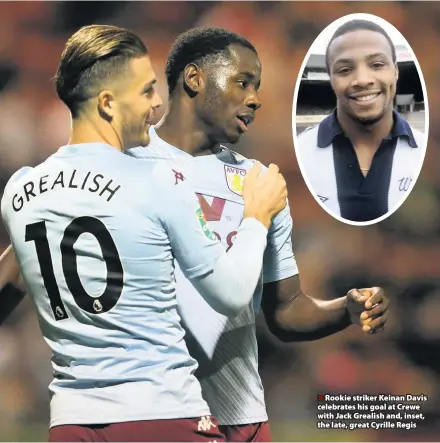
point(292, 315)
point(225, 279)
point(10, 293)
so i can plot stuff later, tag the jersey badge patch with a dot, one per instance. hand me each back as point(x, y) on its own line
point(234, 178)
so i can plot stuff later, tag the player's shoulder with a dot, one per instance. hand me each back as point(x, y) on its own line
point(16, 180)
point(152, 152)
point(169, 180)
point(22, 174)
point(419, 137)
point(165, 170)
point(309, 134)
point(19, 178)
point(135, 173)
point(151, 183)
point(234, 159)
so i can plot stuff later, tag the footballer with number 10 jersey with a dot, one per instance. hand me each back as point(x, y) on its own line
point(226, 349)
point(96, 234)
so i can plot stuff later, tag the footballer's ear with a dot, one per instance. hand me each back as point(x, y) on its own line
point(193, 78)
point(106, 104)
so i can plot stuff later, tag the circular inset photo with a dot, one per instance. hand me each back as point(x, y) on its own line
point(360, 119)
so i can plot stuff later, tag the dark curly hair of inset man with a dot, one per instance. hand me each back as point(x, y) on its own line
point(200, 45)
point(359, 25)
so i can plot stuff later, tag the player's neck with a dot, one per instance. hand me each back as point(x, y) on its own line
point(186, 134)
point(366, 134)
point(88, 131)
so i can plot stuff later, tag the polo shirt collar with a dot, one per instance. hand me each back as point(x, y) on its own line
point(329, 128)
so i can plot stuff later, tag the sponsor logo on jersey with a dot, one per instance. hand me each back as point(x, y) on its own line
point(234, 178)
point(204, 224)
point(178, 176)
point(205, 424)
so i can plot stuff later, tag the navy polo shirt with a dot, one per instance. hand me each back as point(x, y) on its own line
point(362, 198)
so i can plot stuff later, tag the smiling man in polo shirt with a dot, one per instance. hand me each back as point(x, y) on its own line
point(363, 159)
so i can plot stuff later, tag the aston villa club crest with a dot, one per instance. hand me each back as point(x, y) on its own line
point(234, 178)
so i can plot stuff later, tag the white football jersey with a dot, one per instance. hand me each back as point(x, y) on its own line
point(96, 234)
point(226, 349)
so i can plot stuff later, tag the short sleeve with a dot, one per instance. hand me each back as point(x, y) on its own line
point(279, 259)
point(7, 202)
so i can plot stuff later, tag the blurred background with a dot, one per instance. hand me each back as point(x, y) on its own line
point(402, 254)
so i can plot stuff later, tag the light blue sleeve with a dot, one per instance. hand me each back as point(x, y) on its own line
point(19, 174)
point(6, 198)
point(227, 281)
point(279, 260)
point(194, 246)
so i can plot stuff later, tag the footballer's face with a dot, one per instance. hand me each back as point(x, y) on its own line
point(136, 100)
point(363, 75)
point(230, 98)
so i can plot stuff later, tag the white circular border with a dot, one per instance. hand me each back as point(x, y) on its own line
point(339, 22)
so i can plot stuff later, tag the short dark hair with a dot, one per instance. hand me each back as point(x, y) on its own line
point(357, 25)
point(197, 46)
point(92, 56)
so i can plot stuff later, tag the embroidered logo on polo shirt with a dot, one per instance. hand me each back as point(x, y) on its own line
point(404, 183)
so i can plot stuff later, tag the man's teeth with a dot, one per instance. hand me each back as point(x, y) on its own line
point(366, 97)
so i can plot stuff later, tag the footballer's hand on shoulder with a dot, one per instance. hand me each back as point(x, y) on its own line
point(368, 308)
point(264, 194)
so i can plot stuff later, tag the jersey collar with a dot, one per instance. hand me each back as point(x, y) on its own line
point(329, 128)
point(165, 146)
point(86, 148)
